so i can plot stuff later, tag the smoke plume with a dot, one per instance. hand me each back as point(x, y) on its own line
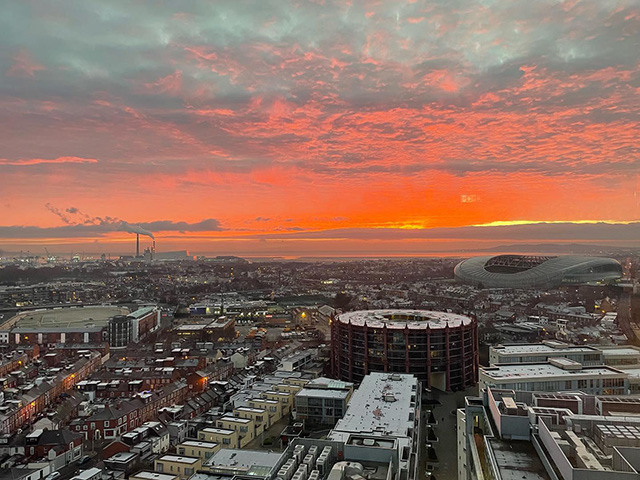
point(127, 227)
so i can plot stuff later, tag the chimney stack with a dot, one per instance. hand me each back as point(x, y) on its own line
point(137, 245)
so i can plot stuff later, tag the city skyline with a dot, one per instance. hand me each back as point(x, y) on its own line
point(333, 127)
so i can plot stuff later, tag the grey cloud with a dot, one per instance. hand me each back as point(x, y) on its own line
point(207, 225)
point(101, 229)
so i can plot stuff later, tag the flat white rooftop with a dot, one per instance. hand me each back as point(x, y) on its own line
point(251, 410)
point(633, 372)
point(329, 383)
point(197, 443)
point(413, 319)
point(323, 393)
point(381, 406)
point(300, 355)
point(89, 473)
point(255, 461)
point(153, 476)
point(541, 348)
point(623, 351)
point(234, 419)
point(222, 431)
point(540, 370)
point(178, 459)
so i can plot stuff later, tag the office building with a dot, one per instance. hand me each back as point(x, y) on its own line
point(542, 352)
point(556, 375)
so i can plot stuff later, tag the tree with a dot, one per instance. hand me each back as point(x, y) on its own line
point(342, 301)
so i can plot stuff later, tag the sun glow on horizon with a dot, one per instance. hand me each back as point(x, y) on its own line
point(507, 223)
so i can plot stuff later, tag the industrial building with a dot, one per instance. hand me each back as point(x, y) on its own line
point(440, 349)
point(208, 329)
point(525, 271)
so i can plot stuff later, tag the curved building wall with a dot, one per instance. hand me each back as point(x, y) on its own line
point(440, 349)
point(551, 273)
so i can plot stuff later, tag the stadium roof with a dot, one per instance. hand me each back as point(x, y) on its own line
point(64, 319)
point(525, 271)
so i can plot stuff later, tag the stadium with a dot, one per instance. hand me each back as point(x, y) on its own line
point(439, 348)
point(526, 271)
point(76, 325)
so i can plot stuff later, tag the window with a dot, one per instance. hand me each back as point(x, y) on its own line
point(226, 441)
point(106, 423)
point(159, 467)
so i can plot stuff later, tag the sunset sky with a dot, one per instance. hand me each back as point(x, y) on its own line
point(318, 127)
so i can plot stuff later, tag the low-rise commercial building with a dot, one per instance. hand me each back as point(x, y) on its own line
point(612, 355)
point(542, 352)
point(556, 375)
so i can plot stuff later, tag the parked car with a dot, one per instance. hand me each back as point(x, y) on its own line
point(84, 460)
point(53, 476)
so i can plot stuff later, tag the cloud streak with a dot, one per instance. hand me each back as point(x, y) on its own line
point(106, 228)
point(26, 162)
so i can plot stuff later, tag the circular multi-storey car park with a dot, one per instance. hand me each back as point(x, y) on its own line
point(439, 348)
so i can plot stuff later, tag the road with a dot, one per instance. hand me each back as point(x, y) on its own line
point(624, 317)
point(446, 447)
